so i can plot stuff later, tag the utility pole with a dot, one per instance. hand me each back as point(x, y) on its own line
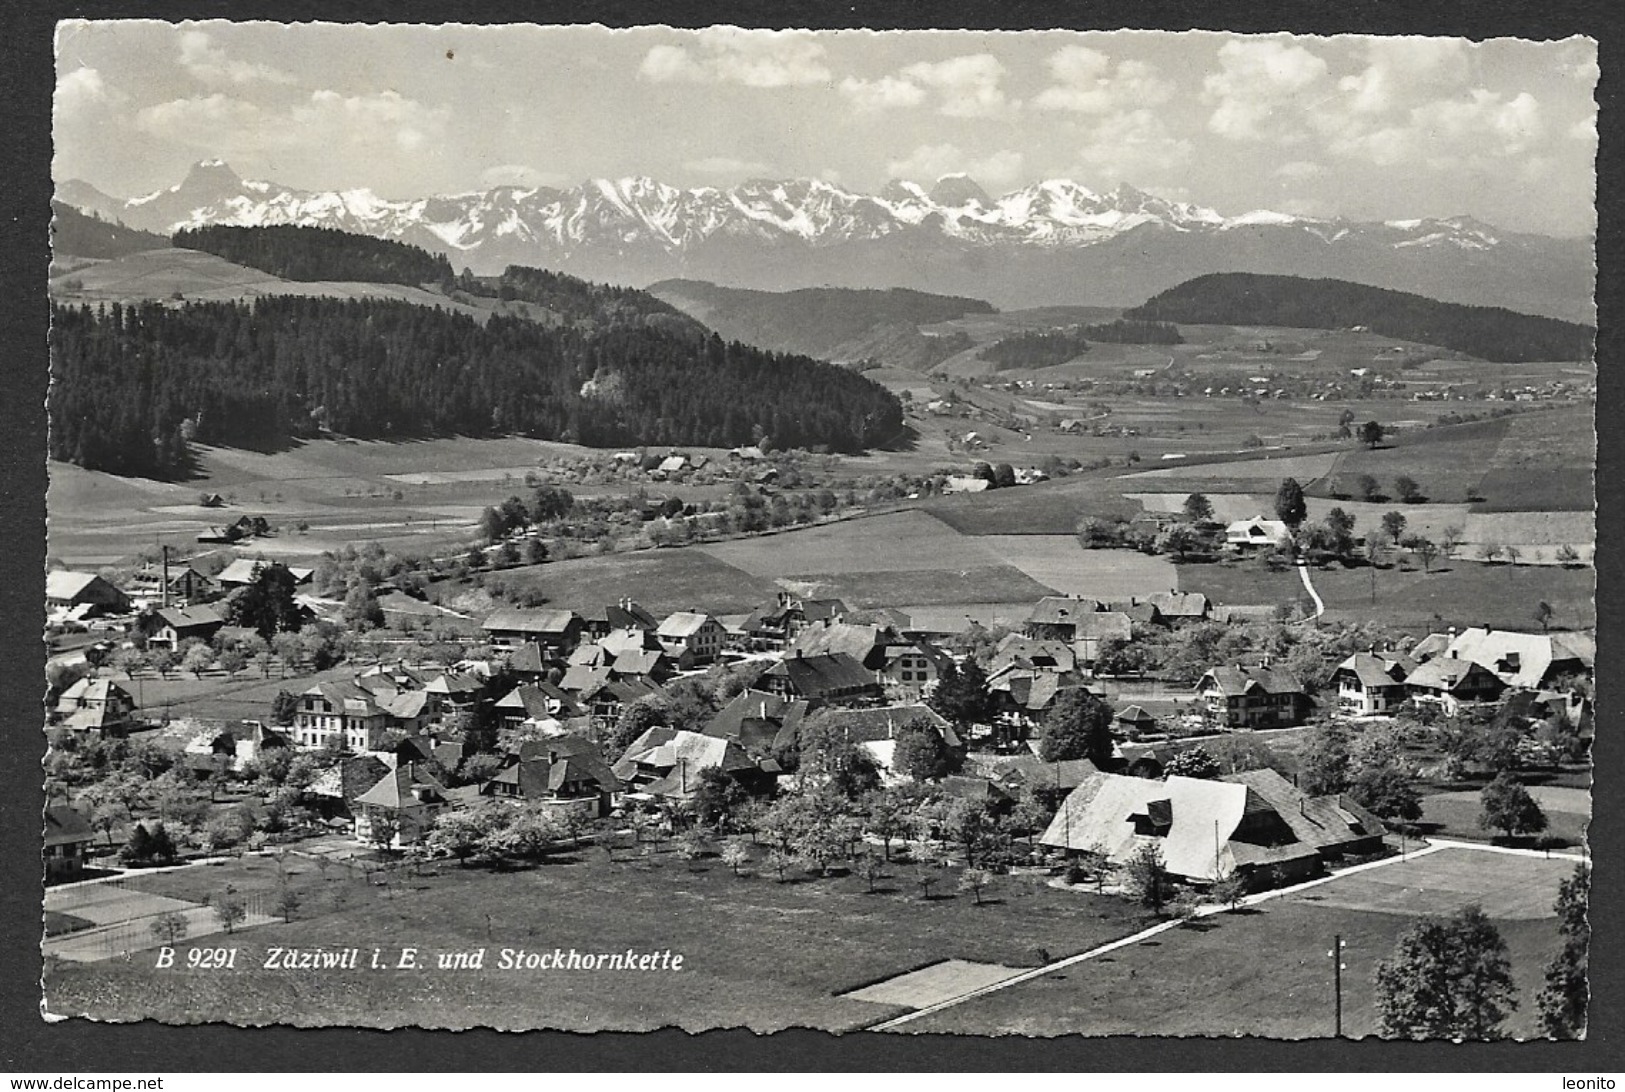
point(1336, 955)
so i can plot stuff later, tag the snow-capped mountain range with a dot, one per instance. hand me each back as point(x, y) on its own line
point(1054, 241)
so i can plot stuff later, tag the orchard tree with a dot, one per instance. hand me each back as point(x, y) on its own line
point(1078, 725)
point(1447, 979)
point(229, 909)
point(1386, 792)
point(1368, 486)
point(1198, 509)
point(1450, 539)
point(921, 752)
point(1325, 760)
point(1507, 806)
point(1290, 507)
point(1406, 489)
point(1371, 434)
point(170, 927)
point(1566, 996)
point(1567, 555)
point(1423, 548)
point(1393, 525)
point(1147, 877)
point(975, 880)
point(1193, 762)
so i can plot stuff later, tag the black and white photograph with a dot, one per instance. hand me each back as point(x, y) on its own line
point(1038, 533)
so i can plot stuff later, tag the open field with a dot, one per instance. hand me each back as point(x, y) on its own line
point(1047, 508)
point(1061, 562)
point(1455, 592)
point(1004, 584)
point(757, 953)
point(1455, 814)
point(661, 580)
point(1264, 971)
point(893, 542)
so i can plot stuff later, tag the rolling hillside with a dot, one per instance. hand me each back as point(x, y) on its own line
point(1248, 299)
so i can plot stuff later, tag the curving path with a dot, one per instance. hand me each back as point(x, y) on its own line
point(1303, 574)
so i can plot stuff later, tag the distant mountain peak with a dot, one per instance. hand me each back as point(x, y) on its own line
point(956, 190)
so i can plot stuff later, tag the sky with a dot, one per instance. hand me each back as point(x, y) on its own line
point(1361, 127)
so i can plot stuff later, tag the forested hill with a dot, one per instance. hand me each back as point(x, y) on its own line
point(75, 233)
point(572, 300)
point(1254, 299)
point(134, 385)
point(822, 322)
point(318, 254)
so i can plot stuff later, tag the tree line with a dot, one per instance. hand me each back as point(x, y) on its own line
point(1256, 299)
point(297, 253)
point(134, 385)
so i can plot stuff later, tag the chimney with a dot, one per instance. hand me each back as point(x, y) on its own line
point(165, 594)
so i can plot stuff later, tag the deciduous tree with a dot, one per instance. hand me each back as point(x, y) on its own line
point(1507, 806)
point(1078, 725)
point(1446, 979)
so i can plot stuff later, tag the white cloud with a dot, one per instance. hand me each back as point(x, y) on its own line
point(82, 89)
point(967, 86)
point(1299, 170)
point(1584, 129)
point(1259, 87)
point(752, 58)
point(1087, 83)
point(1400, 72)
point(1472, 129)
point(728, 166)
point(326, 122)
point(929, 162)
point(1131, 146)
point(209, 64)
point(520, 176)
point(886, 93)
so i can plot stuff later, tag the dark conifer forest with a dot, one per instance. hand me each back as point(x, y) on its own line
point(135, 384)
point(298, 253)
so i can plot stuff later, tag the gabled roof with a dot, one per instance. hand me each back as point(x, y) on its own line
point(1028, 770)
point(756, 719)
point(883, 722)
point(546, 767)
point(1448, 674)
point(454, 684)
point(1104, 624)
point(1375, 671)
point(1202, 816)
point(681, 752)
point(637, 662)
point(395, 789)
point(191, 617)
point(241, 571)
point(88, 689)
point(1180, 604)
point(818, 675)
point(1238, 680)
point(823, 638)
point(1319, 821)
point(536, 701)
point(683, 623)
point(628, 639)
point(66, 584)
point(1027, 652)
point(1054, 610)
point(1522, 659)
point(65, 826)
point(584, 679)
point(627, 614)
point(520, 620)
point(1134, 714)
point(526, 659)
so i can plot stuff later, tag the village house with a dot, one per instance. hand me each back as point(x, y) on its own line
point(1253, 697)
point(242, 571)
point(760, 722)
point(537, 703)
point(822, 679)
point(864, 643)
point(622, 615)
point(66, 589)
point(403, 804)
point(911, 670)
point(95, 705)
point(231, 747)
point(179, 585)
point(1057, 617)
point(566, 771)
point(340, 713)
point(1370, 684)
point(1450, 684)
point(875, 729)
point(774, 625)
point(667, 762)
point(1134, 721)
point(67, 834)
point(1524, 661)
point(691, 638)
point(173, 625)
point(556, 632)
point(1176, 607)
point(1257, 533)
point(1253, 824)
point(1095, 630)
